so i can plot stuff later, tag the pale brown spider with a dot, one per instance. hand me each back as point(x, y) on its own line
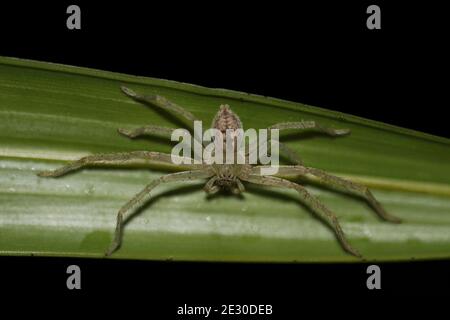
point(225, 176)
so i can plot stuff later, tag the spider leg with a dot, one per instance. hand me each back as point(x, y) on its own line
point(312, 202)
point(310, 125)
point(210, 188)
point(240, 186)
point(161, 103)
point(143, 196)
point(125, 159)
point(339, 184)
point(166, 105)
point(290, 154)
point(155, 131)
point(284, 150)
point(163, 132)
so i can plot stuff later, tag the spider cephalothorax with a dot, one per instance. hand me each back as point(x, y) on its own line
point(226, 176)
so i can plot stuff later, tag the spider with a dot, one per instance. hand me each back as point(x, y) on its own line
point(226, 176)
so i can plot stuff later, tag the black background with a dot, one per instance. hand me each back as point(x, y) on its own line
point(319, 53)
point(314, 52)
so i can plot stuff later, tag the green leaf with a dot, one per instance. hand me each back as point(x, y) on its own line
point(50, 114)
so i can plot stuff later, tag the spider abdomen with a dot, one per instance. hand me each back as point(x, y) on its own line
point(226, 119)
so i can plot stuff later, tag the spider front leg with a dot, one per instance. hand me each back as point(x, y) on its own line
point(310, 125)
point(313, 203)
point(163, 132)
point(290, 154)
point(165, 105)
point(340, 184)
point(125, 159)
point(161, 103)
point(142, 197)
point(157, 131)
